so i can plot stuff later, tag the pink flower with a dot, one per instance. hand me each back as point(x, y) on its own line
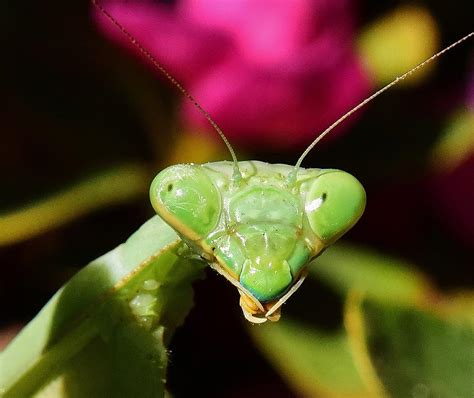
point(272, 73)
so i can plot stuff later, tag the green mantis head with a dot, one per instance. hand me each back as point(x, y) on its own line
point(260, 233)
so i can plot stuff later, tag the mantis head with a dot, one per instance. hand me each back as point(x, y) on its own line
point(260, 234)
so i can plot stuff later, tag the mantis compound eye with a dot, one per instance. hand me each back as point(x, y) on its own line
point(334, 203)
point(185, 197)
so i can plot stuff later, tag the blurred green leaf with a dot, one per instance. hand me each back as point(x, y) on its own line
point(110, 187)
point(108, 316)
point(344, 267)
point(315, 363)
point(417, 353)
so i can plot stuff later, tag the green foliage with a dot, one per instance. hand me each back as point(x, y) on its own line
point(419, 353)
point(377, 275)
point(118, 314)
point(314, 362)
point(116, 185)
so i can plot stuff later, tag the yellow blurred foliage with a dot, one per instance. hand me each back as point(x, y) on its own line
point(117, 185)
point(195, 147)
point(398, 42)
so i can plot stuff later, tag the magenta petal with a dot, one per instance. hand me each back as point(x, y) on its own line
point(263, 31)
point(277, 109)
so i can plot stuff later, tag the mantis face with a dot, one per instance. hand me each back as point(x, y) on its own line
point(260, 233)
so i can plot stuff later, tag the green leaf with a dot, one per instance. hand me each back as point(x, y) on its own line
point(417, 353)
point(315, 363)
point(118, 312)
point(344, 267)
point(112, 186)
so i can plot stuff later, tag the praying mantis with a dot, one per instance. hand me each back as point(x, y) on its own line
point(259, 225)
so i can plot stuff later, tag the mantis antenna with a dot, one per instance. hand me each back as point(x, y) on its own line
point(292, 175)
point(237, 175)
